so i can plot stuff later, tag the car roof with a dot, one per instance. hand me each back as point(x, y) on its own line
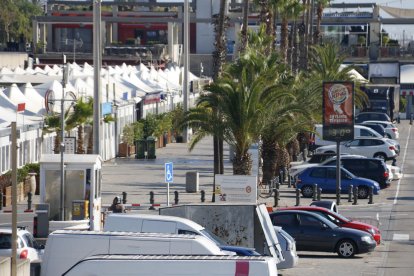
point(376, 121)
point(314, 208)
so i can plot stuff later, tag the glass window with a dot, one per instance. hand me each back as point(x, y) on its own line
point(284, 219)
point(309, 221)
point(318, 172)
point(354, 143)
point(373, 165)
point(186, 232)
point(5, 241)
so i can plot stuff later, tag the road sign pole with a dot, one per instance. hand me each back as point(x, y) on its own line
point(168, 194)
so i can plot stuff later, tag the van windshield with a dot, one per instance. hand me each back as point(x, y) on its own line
point(206, 233)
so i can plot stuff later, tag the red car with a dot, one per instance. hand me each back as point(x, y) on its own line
point(340, 220)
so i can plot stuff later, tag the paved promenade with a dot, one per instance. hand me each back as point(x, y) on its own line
point(138, 177)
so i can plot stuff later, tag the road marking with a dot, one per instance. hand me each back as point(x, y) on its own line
point(402, 166)
point(401, 237)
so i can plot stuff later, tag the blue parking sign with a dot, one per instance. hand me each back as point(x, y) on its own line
point(169, 172)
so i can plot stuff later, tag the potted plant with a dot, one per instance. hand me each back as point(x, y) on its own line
point(127, 148)
point(362, 50)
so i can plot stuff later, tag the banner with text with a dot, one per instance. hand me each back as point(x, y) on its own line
point(236, 188)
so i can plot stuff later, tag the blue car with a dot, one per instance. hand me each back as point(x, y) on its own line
point(325, 177)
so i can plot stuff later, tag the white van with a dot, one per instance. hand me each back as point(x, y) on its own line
point(64, 248)
point(125, 265)
point(143, 223)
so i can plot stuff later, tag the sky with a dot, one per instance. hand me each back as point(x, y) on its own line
point(395, 31)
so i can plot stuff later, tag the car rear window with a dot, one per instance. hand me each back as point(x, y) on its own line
point(372, 165)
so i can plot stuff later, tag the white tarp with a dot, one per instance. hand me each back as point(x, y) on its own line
point(36, 103)
point(397, 12)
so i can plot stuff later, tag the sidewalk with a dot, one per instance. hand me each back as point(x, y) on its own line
point(139, 177)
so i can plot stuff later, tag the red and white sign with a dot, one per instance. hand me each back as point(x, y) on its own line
point(21, 107)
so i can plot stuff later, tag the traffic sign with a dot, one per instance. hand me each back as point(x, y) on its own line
point(169, 172)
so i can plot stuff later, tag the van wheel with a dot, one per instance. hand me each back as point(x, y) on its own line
point(346, 249)
point(362, 192)
point(380, 155)
point(307, 191)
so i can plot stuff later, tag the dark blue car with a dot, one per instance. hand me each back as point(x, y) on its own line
point(325, 177)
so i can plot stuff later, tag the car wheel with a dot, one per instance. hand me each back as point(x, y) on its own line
point(346, 249)
point(380, 156)
point(307, 191)
point(362, 192)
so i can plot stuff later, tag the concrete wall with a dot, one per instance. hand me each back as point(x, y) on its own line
point(12, 60)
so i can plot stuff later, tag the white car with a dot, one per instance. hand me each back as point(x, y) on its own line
point(27, 247)
point(369, 147)
point(391, 131)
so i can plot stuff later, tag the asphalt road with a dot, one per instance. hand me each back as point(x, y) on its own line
point(393, 212)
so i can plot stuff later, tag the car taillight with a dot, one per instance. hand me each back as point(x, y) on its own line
point(392, 148)
point(386, 174)
point(394, 129)
point(24, 254)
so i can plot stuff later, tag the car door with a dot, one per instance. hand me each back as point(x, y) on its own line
point(288, 222)
point(330, 186)
point(352, 147)
point(317, 176)
point(312, 235)
point(370, 147)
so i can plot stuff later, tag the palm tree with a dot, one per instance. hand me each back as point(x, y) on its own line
point(235, 105)
point(243, 33)
point(52, 124)
point(83, 114)
point(326, 65)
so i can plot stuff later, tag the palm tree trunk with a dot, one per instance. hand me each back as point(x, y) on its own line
point(242, 163)
point(284, 39)
point(303, 40)
point(317, 35)
point(80, 149)
point(56, 148)
point(243, 32)
point(295, 49)
point(269, 155)
point(90, 143)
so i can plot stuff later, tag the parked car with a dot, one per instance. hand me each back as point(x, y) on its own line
point(340, 220)
point(372, 116)
point(288, 246)
point(327, 204)
point(391, 130)
point(312, 232)
point(371, 168)
point(369, 147)
point(295, 170)
point(27, 247)
point(378, 128)
point(359, 131)
point(325, 178)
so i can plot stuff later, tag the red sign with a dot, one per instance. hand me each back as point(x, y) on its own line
point(21, 107)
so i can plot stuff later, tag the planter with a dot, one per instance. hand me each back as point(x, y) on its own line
point(124, 150)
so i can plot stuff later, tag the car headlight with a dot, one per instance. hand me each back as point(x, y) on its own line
point(367, 239)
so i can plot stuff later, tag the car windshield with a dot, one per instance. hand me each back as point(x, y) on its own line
point(213, 237)
point(342, 217)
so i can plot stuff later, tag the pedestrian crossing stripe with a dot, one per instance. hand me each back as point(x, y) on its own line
point(401, 237)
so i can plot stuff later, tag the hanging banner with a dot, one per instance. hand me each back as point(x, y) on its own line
point(338, 111)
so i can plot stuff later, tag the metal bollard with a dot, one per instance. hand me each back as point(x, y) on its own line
point(298, 197)
point(124, 197)
point(276, 198)
point(151, 200)
point(281, 177)
point(315, 190)
point(350, 193)
point(29, 201)
point(398, 119)
point(1, 201)
point(289, 181)
point(355, 196)
point(203, 196)
point(175, 197)
point(319, 194)
point(370, 196)
point(411, 118)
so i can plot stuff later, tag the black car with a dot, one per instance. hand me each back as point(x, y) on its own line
point(371, 168)
point(378, 128)
point(317, 158)
point(313, 232)
point(372, 116)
